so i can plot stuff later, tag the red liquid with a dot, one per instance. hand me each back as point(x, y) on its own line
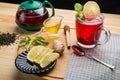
point(31, 18)
point(88, 34)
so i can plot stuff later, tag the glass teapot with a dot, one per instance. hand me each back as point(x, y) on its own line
point(31, 14)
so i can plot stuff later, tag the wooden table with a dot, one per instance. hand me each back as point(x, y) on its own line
point(8, 71)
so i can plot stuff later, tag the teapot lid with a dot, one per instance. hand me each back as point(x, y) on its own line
point(31, 4)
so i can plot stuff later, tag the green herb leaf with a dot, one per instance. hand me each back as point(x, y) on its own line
point(22, 43)
point(39, 41)
point(25, 41)
point(78, 8)
point(39, 38)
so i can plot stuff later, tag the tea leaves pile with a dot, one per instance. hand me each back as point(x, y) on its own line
point(7, 38)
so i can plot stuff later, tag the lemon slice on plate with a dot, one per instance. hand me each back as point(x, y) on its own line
point(42, 56)
point(47, 59)
point(34, 52)
point(38, 57)
point(54, 56)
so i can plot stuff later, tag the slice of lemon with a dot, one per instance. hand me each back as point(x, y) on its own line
point(54, 56)
point(47, 59)
point(91, 10)
point(34, 52)
point(42, 54)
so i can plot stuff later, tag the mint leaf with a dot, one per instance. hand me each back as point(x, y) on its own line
point(78, 8)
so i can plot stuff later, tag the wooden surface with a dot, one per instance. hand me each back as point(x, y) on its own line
point(8, 71)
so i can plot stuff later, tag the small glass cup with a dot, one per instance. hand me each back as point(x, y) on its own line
point(52, 25)
point(89, 32)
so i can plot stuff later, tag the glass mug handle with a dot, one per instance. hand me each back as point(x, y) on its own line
point(107, 36)
point(53, 11)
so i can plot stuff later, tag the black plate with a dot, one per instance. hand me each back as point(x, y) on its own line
point(24, 65)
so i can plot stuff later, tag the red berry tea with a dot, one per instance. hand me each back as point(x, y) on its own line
point(88, 32)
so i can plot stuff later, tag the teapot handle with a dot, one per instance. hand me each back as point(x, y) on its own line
point(53, 11)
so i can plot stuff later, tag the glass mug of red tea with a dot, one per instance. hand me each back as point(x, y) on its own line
point(88, 32)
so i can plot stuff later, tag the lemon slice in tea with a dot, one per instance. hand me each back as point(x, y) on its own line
point(91, 10)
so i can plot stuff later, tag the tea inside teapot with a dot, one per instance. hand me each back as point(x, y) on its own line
point(31, 14)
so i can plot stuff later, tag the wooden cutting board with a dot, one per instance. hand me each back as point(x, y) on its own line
point(62, 63)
